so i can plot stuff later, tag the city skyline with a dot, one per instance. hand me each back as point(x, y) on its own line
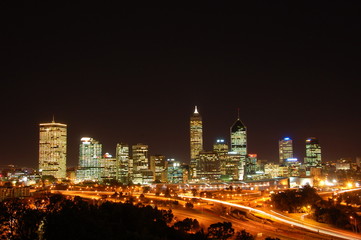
point(196, 116)
point(134, 75)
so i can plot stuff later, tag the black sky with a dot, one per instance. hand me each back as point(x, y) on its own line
point(133, 74)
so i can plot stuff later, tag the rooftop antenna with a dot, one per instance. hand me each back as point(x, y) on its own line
point(53, 119)
point(238, 113)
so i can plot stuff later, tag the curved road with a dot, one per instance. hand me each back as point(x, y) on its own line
point(309, 227)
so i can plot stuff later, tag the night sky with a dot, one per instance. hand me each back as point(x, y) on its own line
point(134, 74)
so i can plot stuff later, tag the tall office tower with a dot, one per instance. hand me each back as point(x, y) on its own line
point(313, 153)
point(90, 154)
point(109, 167)
point(158, 165)
point(239, 143)
point(52, 149)
point(250, 166)
point(285, 149)
point(140, 162)
point(140, 157)
point(196, 140)
point(122, 156)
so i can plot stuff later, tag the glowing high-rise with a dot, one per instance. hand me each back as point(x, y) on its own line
point(141, 171)
point(285, 147)
point(90, 154)
point(239, 144)
point(196, 140)
point(239, 138)
point(52, 149)
point(125, 169)
point(313, 153)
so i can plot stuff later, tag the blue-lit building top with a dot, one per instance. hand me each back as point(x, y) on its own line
point(285, 149)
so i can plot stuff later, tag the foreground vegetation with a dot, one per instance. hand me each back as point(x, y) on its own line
point(332, 212)
point(56, 217)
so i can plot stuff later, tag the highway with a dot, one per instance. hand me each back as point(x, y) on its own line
point(286, 220)
point(206, 217)
point(283, 227)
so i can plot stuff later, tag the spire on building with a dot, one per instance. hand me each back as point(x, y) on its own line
point(196, 110)
point(53, 121)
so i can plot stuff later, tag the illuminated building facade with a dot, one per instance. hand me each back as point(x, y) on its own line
point(294, 167)
point(140, 163)
point(229, 166)
point(90, 154)
point(285, 149)
point(208, 167)
point(220, 146)
point(239, 144)
point(196, 140)
point(272, 170)
point(250, 166)
point(109, 167)
point(158, 165)
point(176, 172)
point(228, 161)
point(313, 153)
point(125, 168)
point(52, 149)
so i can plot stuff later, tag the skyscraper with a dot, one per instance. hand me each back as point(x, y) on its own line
point(239, 138)
point(109, 167)
point(196, 140)
point(239, 144)
point(52, 149)
point(285, 149)
point(125, 168)
point(158, 165)
point(90, 154)
point(140, 159)
point(251, 165)
point(313, 153)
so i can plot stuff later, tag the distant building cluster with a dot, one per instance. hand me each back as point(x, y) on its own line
point(234, 163)
point(131, 164)
point(134, 165)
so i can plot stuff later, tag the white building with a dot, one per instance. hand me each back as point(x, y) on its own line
point(52, 149)
point(90, 154)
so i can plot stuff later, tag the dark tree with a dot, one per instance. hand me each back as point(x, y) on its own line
point(243, 235)
point(220, 230)
point(200, 235)
point(295, 200)
point(167, 216)
point(187, 225)
point(194, 192)
point(189, 205)
point(167, 193)
point(18, 220)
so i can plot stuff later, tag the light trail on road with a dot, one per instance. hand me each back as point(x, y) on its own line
point(348, 190)
point(294, 223)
